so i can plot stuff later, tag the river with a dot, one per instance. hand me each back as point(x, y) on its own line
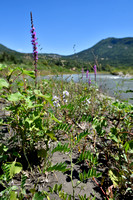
point(112, 85)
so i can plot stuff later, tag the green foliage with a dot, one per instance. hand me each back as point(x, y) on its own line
point(118, 53)
point(90, 174)
point(2, 66)
point(3, 83)
point(81, 136)
point(3, 154)
point(86, 125)
point(118, 57)
point(85, 198)
point(61, 148)
point(10, 169)
point(87, 155)
point(9, 193)
point(40, 196)
point(57, 189)
point(23, 180)
point(57, 167)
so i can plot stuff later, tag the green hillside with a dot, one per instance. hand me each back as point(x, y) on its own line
point(111, 54)
point(112, 51)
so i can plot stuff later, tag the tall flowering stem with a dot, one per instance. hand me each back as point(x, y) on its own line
point(95, 71)
point(34, 44)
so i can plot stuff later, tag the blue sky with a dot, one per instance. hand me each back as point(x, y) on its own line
point(61, 24)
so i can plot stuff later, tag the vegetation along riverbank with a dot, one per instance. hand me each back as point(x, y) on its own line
point(62, 140)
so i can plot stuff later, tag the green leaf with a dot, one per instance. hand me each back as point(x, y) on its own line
point(51, 135)
point(12, 168)
point(69, 197)
point(113, 178)
point(58, 167)
point(16, 168)
point(54, 118)
point(15, 97)
point(63, 127)
point(23, 180)
point(55, 188)
point(114, 138)
point(59, 187)
point(126, 146)
point(2, 66)
point(29, 73)
point(81, 135)
point(3, 83)
point(61, 148)
point(46, 97)
point(13, 195)
point(38, 196)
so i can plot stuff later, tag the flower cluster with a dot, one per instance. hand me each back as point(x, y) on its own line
point(56, 101)
point(65, 94)
point(88, 101)
point(34, 43)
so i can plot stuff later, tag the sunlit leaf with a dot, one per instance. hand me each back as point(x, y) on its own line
point(2, 66)
point(46, 97)
point(15, 97)
point(29, 73)
point(3, 83)
point(58, 167)
point(61, 148)
point(13, 195)
point(113, 178)
point(54, 118)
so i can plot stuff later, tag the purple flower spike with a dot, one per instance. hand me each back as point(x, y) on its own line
point(95, 69)
point(34, 43)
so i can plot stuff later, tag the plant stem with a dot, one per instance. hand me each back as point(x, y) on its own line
point(71, 153)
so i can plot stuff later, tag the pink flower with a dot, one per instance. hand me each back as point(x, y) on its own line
point(34, 43)
point(87, 73)
point(95, 69)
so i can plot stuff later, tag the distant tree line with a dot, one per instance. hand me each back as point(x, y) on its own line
point(60, 63)
point(9, 58)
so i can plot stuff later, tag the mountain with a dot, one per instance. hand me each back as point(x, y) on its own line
point(116, 52)
point(9, 51)
point(112, 51)
point(4, 49)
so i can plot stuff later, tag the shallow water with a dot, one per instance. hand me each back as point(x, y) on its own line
point(112, 85)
